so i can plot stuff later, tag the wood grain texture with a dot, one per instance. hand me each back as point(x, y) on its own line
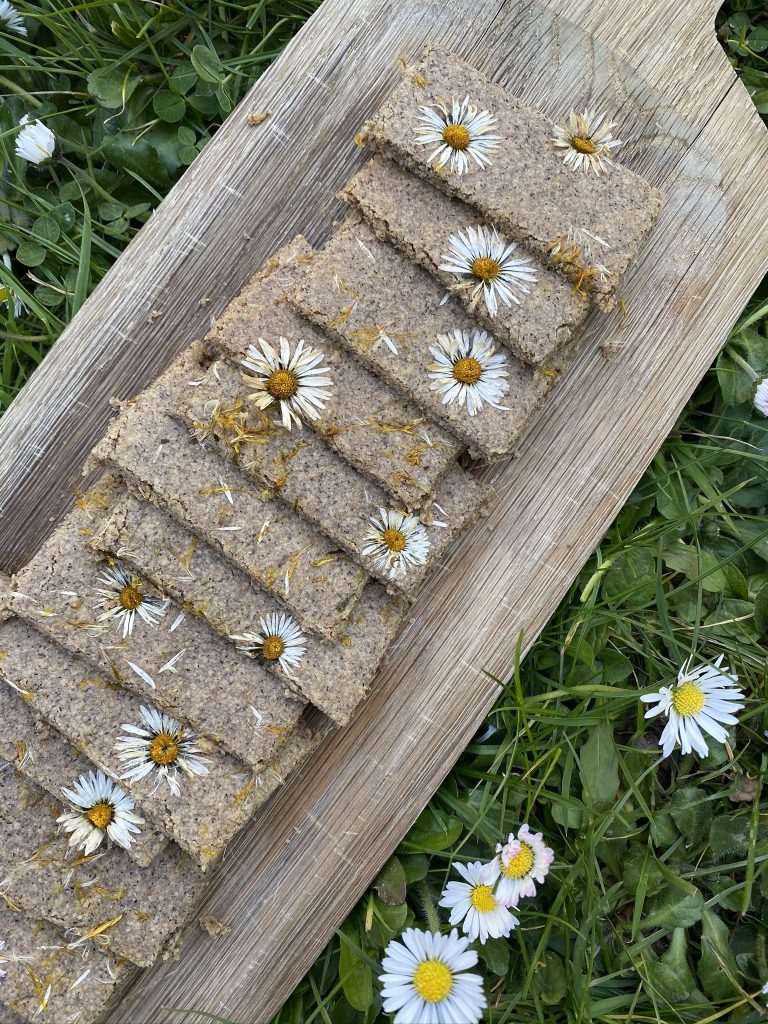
point(691, 130)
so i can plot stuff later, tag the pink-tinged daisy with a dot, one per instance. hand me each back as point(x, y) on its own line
point(522, 861)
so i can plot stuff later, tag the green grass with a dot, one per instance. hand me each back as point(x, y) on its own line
point(656, 908)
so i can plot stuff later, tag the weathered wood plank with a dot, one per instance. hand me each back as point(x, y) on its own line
point(694, 132)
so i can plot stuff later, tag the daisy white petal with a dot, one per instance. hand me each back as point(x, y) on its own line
point(522, 862)
point(123, 597)
point(460, 134)
point(101, 810)
point(468, 370)
point(279, 639)
point(485, 263)
point(761, 397)
point(397, 541)
point(7, 295)
point(703, 700)
point(161, 746)
point(10, 19)
point(35, 142)
point(294, 380)
point(473, 904)
point(425, 980)
point(587, 141)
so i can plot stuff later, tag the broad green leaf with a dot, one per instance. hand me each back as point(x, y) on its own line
point(550, 979)
point(729, 836)
point(692, 814)
point(432, 831)
point(31, 254)
point(699, 565)
point(717, 968)
point(111, 87)
point(415, 867)
point(354, 973)
point(47, 229)
point(207, 65)
point(599, 767)
point(631, 580)
point(390, 883)
point(495, 955)
point(676, 906)
point(169, 106)
point(761, 610)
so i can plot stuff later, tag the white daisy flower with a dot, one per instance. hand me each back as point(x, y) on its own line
point(295, 381)
point(522, 861)
point(10, 19)
point(425, 979)
point(398, 541)
point(761, 397)
point(35, 142)
point(123, 598)
point(279, 639)
point(461, 134)
point(703, 698)
point(587, 141)
point(103, 809)
point(7, 295)
point(468, 370)
point(161, 746)
point(484, 259)
point(473, 904)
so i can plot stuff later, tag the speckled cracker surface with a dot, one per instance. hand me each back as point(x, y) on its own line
point(373, 427)
point(349, 297)
point(420, 220)
point(283, 552)
point(178, 664)
point(310, 476)
point(138, 909)
point(90, 711)
point(46, 980)
point(334, 676)
point(40, 752)
point(527, 190)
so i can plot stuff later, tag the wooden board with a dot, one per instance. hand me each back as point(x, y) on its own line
point(292, 876)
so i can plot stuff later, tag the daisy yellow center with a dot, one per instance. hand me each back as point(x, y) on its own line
point(164, 748)
point(467, 370)
point(130, 597)
point(583, 145)
point(519, 865)
point(100, 815)
point(283, 384)
point(456, 136)
point(394, 540)
point(688, 700)
point(482, 899)
point(486, 268)
point(273, 647)
point(433, 981)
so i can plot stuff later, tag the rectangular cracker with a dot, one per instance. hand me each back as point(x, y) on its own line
point(138, 909)
point(374, 428)
point(281, 551)
point(352, 298)
point(419, 220)
point(90, 710)
point(304, 472)
point(45, 980)
point(526, 191)
point(334, 676)
point(41, 753)
point(178, 664)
